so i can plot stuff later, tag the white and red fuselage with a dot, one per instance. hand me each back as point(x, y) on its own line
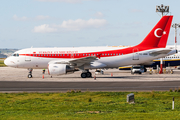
point(107, 57)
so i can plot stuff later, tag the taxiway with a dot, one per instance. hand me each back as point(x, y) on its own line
point(15, 80)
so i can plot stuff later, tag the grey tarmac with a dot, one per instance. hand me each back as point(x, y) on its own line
point(15, 80)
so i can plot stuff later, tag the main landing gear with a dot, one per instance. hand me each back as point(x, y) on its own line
point(30, 73)
point(86, 74)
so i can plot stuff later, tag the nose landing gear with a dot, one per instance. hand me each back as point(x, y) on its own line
point(30, 73)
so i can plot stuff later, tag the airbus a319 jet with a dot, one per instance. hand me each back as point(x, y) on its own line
point(60, 61)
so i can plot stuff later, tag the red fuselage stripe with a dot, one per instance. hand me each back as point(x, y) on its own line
point(98, 54)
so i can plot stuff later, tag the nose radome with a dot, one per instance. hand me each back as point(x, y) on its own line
point(6, 61)
point(9, 62)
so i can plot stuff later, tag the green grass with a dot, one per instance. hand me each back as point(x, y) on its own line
point(89, 105)
point(2, 63)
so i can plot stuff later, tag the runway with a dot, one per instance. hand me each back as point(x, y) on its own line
point(15, 80)
point(39, 86)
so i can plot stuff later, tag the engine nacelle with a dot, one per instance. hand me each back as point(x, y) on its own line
point(59, 69)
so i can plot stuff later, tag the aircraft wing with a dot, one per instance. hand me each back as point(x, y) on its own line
point(76, 62)
point(82, 61)
point(156, 53)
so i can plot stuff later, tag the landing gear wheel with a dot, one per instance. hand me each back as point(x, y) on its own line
point(83, 75)
point(89, 74)
point(30, 72)
point(29, 76)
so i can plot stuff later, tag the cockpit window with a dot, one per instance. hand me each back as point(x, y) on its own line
point(15, 54)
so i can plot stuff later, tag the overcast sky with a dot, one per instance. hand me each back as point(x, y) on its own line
point(74, 23)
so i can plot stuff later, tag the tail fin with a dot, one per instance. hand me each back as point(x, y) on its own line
point(158, 36)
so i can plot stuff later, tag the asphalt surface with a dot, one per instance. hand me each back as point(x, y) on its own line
point(39, 86)
point(15, 80)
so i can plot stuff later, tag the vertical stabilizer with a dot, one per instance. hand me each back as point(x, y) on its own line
point(158, 36)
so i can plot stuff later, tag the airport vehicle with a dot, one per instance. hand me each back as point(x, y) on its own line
point(137, 69)
point(68, 60)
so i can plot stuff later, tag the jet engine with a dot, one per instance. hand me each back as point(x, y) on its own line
point(59, 69)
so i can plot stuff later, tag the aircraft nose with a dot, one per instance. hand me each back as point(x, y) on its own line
point(6, 61)
point(9, 62)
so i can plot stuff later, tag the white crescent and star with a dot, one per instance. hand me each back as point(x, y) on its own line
point(155, 32)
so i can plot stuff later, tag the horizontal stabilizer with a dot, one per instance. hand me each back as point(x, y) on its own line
point(156, 53)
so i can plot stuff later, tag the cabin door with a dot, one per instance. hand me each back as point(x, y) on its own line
point(135, 54)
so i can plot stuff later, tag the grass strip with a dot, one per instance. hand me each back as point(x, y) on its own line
point(2, 63)
point(89, 105)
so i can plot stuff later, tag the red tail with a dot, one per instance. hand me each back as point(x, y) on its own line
point(158, 36)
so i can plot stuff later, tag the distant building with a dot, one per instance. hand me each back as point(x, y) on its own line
point(3, 56)
point(6, 52)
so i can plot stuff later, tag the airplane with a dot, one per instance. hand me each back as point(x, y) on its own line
point(60, 61)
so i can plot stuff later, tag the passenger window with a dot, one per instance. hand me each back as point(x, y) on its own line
point(144, 53)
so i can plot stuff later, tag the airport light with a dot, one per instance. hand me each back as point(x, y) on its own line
point(163, 9)
point(176, 26)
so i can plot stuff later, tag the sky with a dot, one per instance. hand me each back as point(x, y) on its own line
point(75, 23)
